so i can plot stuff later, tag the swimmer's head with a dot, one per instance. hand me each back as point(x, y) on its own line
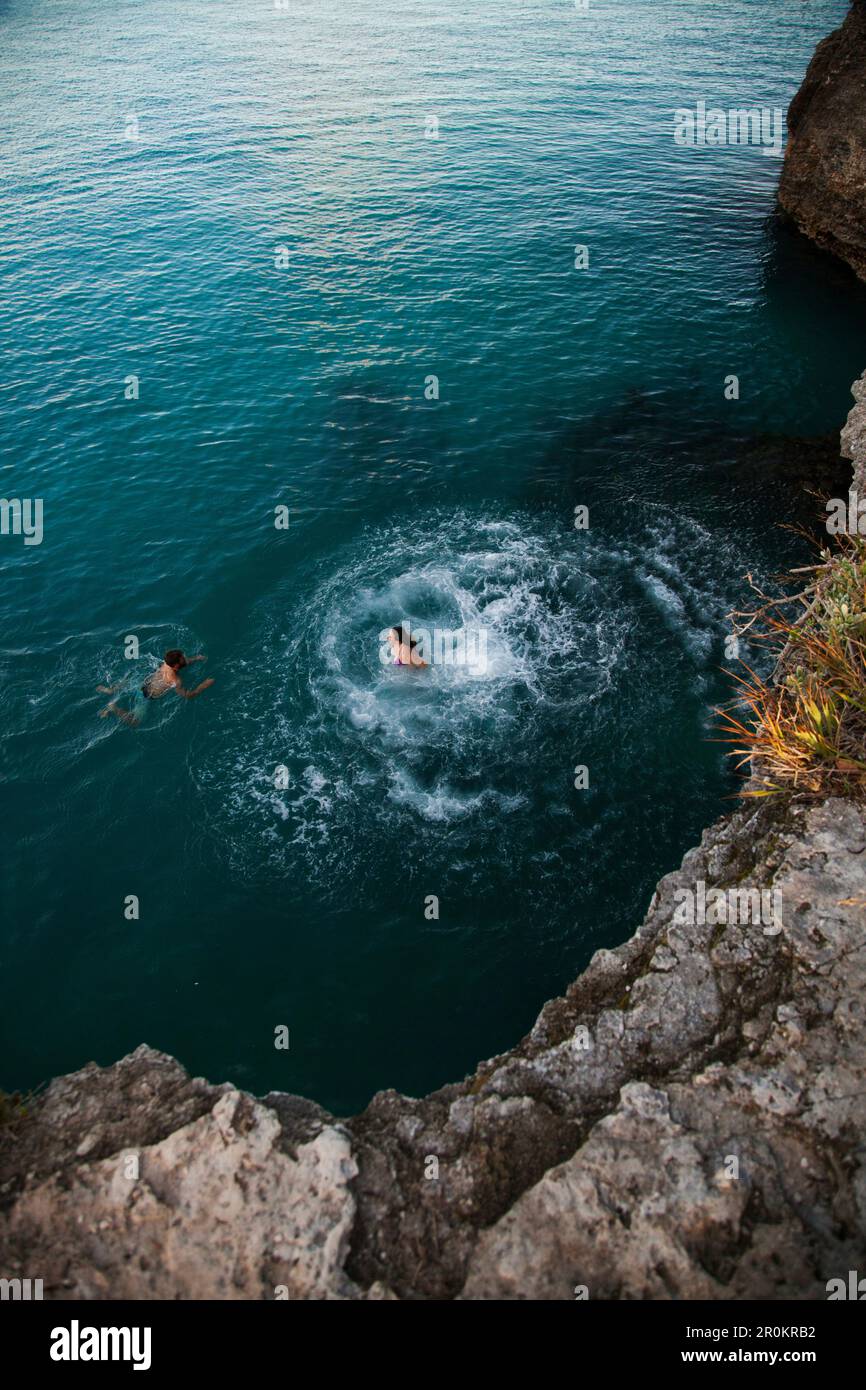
point(400, 635)
point(175, 659)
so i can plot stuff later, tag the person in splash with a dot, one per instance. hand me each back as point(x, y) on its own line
point(404, 647)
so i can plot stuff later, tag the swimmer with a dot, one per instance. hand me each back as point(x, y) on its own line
point(160, 681)
point(403, 646)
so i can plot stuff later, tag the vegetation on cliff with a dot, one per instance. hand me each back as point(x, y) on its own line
point(805, 730)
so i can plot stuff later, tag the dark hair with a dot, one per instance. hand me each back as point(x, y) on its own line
point(404, 633)
point(175, 658)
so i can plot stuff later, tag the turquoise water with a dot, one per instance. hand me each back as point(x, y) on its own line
point(304, 386)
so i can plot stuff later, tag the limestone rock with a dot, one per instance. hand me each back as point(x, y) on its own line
point(725, 1184)
point(854, 435)
point(823, 183)
point(216, 1209)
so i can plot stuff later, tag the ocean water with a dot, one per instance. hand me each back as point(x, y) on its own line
point(155, 158)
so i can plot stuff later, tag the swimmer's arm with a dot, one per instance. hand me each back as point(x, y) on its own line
point(191, 694)
point(110, 689)
point(201, 657)
point(416, 661)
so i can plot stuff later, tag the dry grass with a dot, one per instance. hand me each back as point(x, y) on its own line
point(806, 732)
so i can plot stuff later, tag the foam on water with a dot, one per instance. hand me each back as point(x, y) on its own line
point(382, 760)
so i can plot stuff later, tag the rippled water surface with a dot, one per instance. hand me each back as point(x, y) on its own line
point(307, 384)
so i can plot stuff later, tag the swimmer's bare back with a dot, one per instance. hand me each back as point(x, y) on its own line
point(166, 677)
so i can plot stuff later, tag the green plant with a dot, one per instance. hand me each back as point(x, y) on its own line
point(805, 730)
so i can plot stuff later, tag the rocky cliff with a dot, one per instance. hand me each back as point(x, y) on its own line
point(823, 184)
point(686, 1122)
